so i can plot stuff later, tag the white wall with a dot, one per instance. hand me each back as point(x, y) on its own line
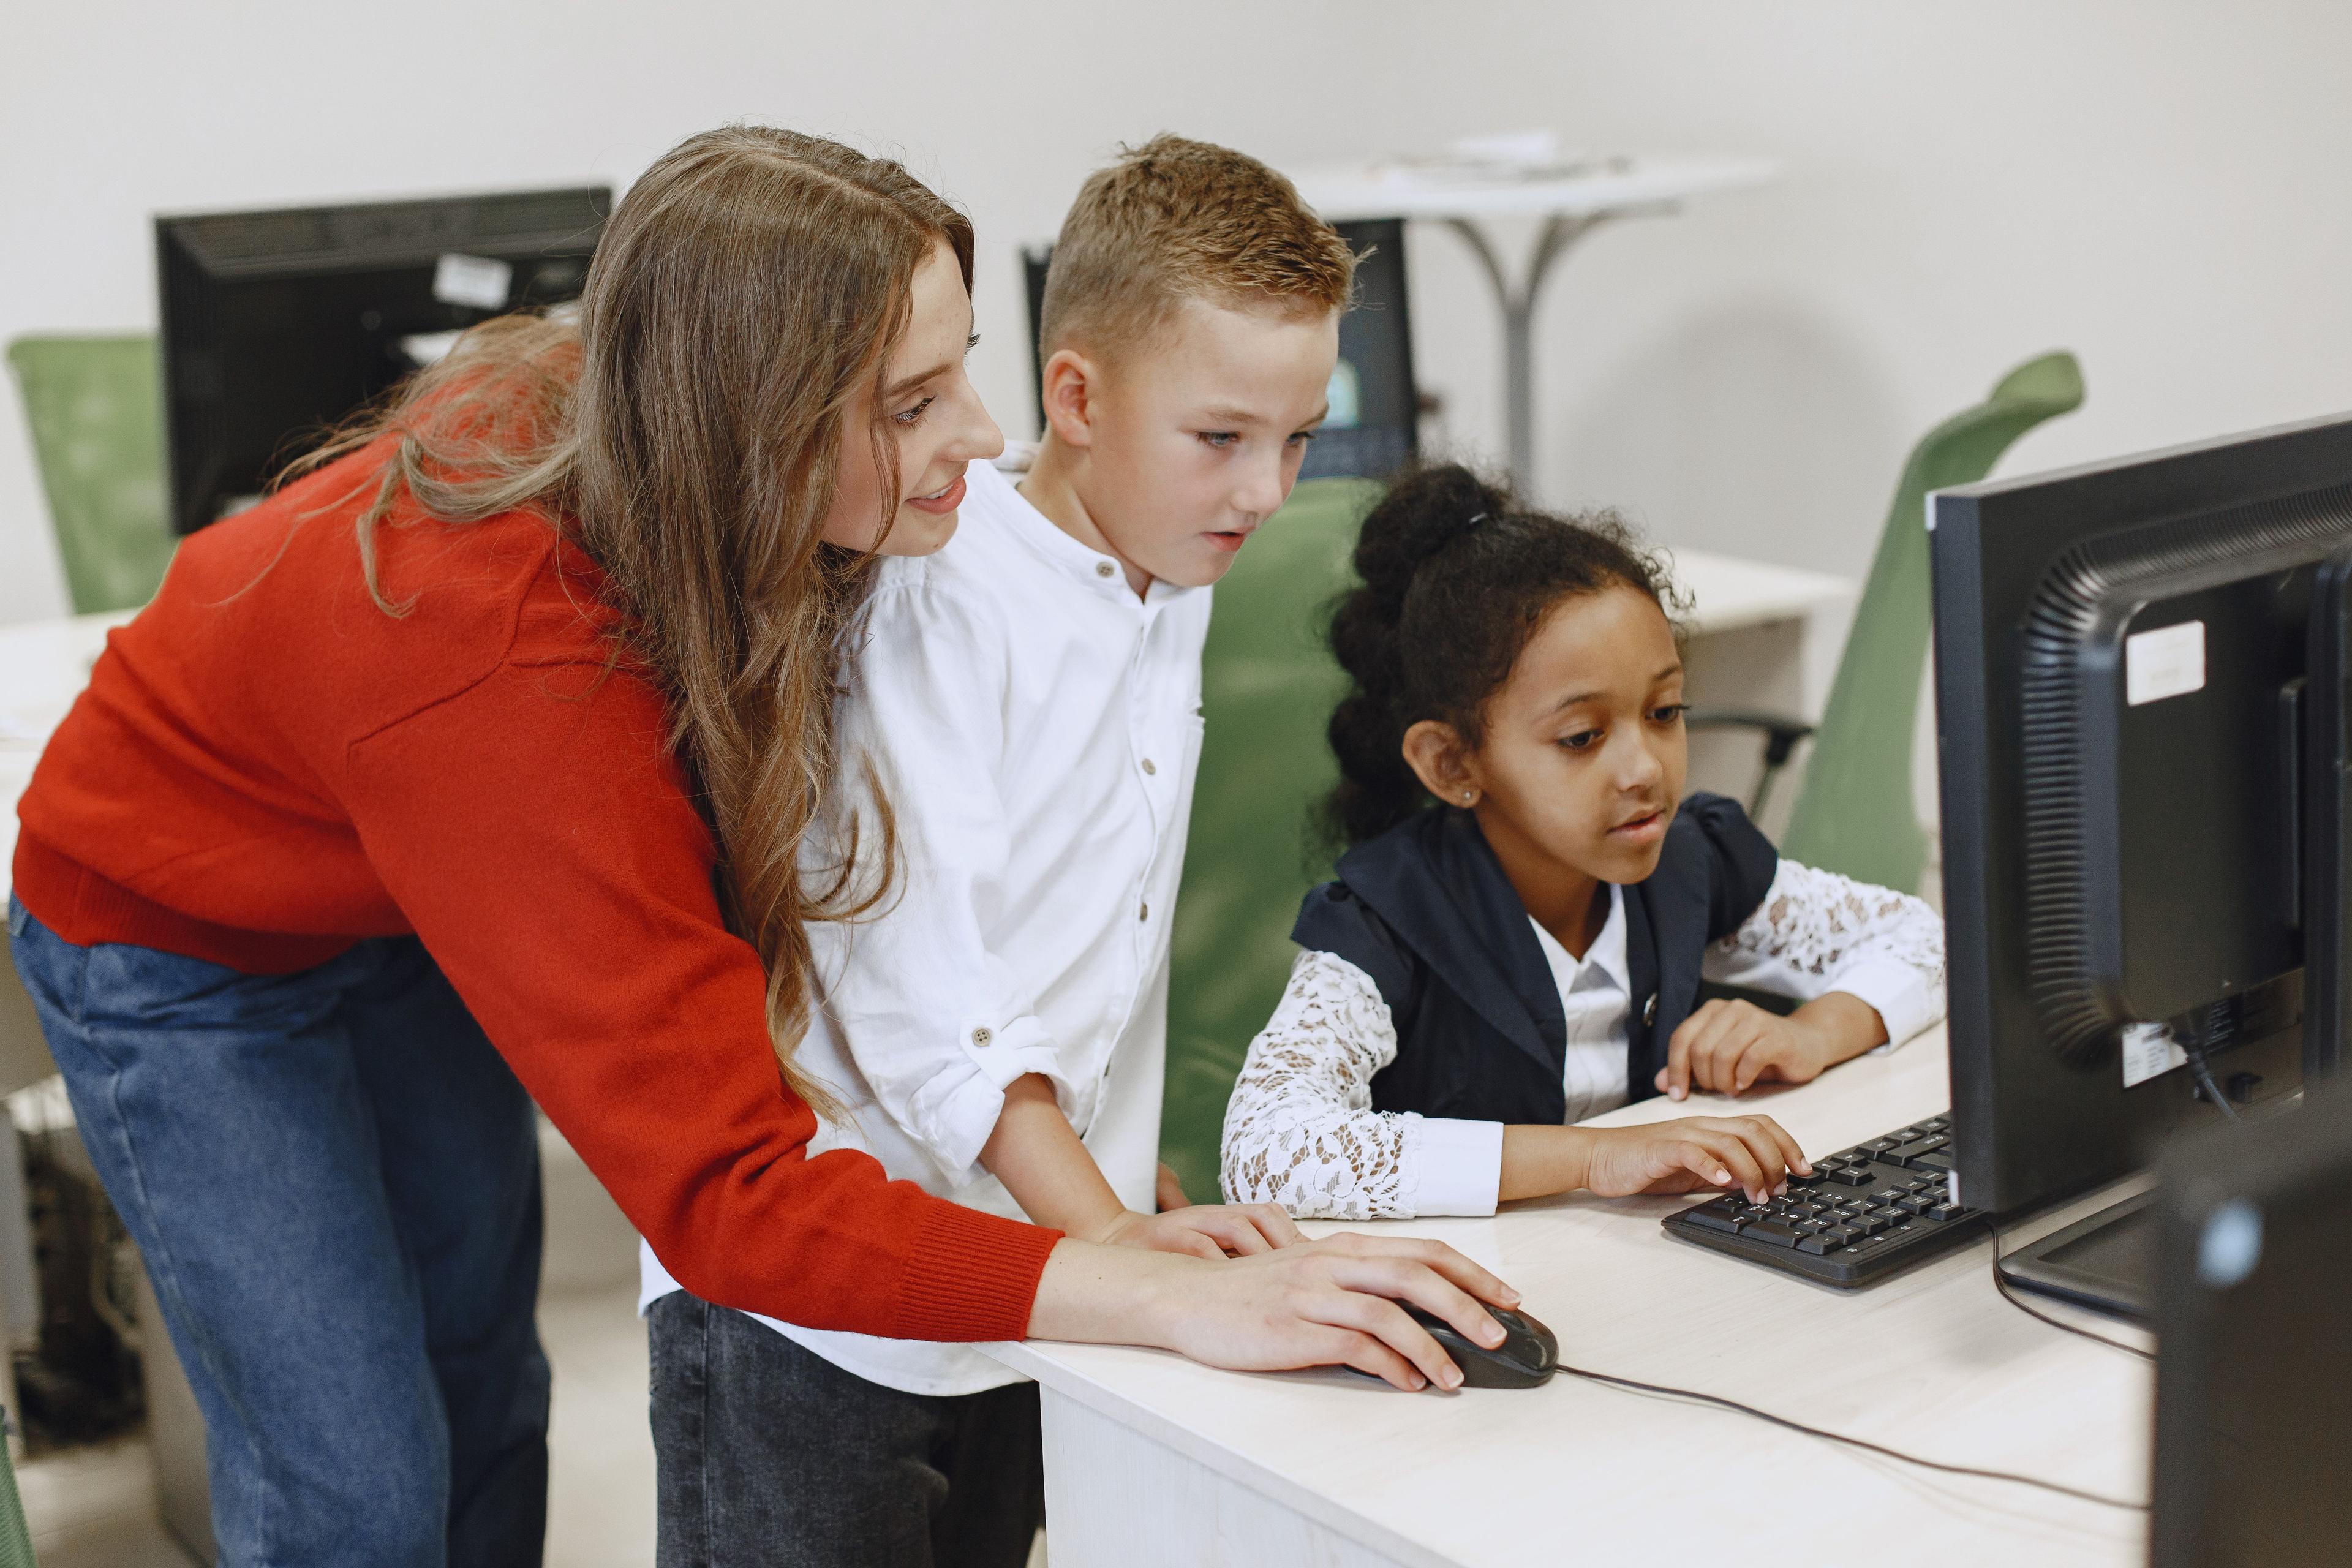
point(2159, 185)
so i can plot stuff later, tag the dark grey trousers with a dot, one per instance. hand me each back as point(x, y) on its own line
point(768, 1455)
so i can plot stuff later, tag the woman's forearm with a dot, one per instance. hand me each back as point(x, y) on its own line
point(1036, 1154)
point(1540, 1161)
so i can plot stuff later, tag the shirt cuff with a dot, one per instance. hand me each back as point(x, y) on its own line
point(1898, 992)
point(954, 1113)
point(1006, 1053)
point(1458, 1165)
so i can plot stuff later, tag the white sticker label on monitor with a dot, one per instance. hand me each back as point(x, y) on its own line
point(2167, 662)
point(480, 281)
point(2149, 1051)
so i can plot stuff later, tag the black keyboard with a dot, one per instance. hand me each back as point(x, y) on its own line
point(1864, 1214)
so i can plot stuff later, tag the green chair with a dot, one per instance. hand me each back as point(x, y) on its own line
point(15, 1536)
point(1857, 814)
point(1268, 685)
point(95, 405)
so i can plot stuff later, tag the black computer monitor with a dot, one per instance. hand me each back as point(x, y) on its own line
point(277, 324)
point(1374, 427)
point(2255, 1328)
point(2140, 704)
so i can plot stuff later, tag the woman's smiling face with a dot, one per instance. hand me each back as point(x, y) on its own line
point(930, 412)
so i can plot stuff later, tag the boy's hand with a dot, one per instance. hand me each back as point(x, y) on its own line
point(1205, 1230)
point(1728, 1048)
point(1753, 1154)
point(1168, 1193)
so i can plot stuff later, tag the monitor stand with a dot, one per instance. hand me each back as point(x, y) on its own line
point(2105, 1261)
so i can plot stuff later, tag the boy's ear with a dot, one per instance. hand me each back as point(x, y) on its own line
point(1070, 381)
point(1435, 752)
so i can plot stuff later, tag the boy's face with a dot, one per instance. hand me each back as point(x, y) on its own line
point(1195, 436)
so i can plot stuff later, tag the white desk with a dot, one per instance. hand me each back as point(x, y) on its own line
point(1570, 204)
point(1762, 637)
point(1152, 1460)
point(44, 664)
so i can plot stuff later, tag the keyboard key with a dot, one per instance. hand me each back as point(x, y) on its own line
point(1770, 1231)
point(1916, 1203)
point(1941, 1160)
point(1868, 1224)
point(1937, 1123)
point(1710, 1217)
point(1818, 1244)
point(1851, 1177)
point(1880, 1145)
point(1946, 1212)
point(1887, 1196)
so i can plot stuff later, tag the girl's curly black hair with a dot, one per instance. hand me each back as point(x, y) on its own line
point(1457, 576)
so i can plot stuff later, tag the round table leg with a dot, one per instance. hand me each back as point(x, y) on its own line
point(1519, 307)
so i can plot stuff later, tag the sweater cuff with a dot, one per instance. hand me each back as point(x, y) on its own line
point(971, 1277)
point(1459, 1164)
point(1896, 992)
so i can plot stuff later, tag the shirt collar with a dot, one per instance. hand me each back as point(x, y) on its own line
point(1604, 959)
point(1097, 572)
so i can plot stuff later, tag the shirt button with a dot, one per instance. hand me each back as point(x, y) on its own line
point(981, 1037)
point(1143, 913)
point(1102, 568)
point(1148, 767)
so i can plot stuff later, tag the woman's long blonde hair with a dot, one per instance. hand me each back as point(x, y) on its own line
point(684, 431)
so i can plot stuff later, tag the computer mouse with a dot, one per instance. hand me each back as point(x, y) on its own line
point(1525, 1358)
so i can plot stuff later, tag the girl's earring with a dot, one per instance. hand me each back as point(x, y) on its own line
point(1469, 798)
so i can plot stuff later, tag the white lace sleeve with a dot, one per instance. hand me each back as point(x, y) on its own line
point(1300, 1130)
point(1817, 932)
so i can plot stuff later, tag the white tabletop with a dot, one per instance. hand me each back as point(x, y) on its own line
point(44, 664)
point(1934, 1362)
point(1344, 192)
point(1730, 592)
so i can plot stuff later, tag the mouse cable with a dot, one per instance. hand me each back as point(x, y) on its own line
point(2014, 1300)
point(1862, 1443)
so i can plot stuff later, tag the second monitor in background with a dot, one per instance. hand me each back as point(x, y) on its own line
point(1373, 428)
point(275, 325)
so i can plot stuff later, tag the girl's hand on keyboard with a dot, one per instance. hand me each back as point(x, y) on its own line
point(1205, 1230)
point(1754, 1153)
point(1728, 1048)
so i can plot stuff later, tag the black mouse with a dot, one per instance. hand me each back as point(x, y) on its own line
point(1525, 1358)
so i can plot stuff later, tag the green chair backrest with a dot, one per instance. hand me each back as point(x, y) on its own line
point(1857, 814)
point(95, 405)
point(15, 1536)
point(1268, 686)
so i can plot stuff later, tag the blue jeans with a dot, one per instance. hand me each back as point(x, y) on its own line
point(768, 1456)
point(335, 1180)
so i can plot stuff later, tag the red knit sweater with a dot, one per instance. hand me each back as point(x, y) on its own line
point(267, 767)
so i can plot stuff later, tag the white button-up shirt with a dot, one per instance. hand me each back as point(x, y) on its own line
point(1035, 726)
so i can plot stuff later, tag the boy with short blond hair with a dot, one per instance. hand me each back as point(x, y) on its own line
point(1028, 699)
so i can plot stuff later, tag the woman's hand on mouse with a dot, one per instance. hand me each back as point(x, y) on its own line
point(1729, 1047)
point(1204, 1230)
point(1754, 1153)
point(1332, 1302)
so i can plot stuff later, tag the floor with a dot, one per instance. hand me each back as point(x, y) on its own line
point(95, 1508)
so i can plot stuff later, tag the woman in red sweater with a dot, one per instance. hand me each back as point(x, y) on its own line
point(471, 769)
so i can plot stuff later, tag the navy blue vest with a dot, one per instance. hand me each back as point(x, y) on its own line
point(1426, 911)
